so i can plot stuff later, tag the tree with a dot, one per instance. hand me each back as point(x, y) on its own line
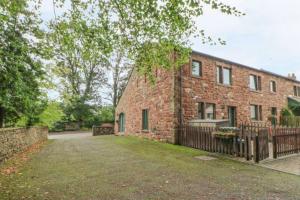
point(152, 30)
point(79, 47)
point(120, 68)
point(20, 62)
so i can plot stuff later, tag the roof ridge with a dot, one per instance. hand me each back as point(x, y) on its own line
point(245, 66)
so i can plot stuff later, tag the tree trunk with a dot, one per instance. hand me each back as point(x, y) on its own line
point(115, 85)
point(2, 112)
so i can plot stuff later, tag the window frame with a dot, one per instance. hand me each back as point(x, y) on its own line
point(273, 86)
point(296, 91)
point(258, 112)
point(203, 106)
point(220, 75)
point(145, 120)
point(200, 69)
point(257, 82)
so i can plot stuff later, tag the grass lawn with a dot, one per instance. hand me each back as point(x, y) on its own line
point(110, 167)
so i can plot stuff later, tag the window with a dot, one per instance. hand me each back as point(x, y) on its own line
point(145, 125)
point(210, 111)
point(256, 112)
point(224, 75)
point(274, 111)
point(201, 111)
point(273, 87)
point(255, 82)
point(206, 110)
point(297, 91)
point(196, 68)
point(274, 116)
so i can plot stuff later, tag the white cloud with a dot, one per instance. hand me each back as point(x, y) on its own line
point(267, 37)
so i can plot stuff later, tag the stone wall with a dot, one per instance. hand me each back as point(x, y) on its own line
point(206, 89)
point(172, 89)
point(102, 130)
point(14, 140)
point(158, 99)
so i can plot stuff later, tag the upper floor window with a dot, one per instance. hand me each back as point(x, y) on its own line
point(206, 110)
point(255, 82)
point(196, 68)
point(224, 75)
point(273, 86)
point(256, 112)
point(297, 91)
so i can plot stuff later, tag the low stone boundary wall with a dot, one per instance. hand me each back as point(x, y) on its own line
point(99, 130)
point(14, 140)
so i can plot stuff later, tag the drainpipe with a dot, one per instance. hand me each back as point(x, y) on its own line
point(180, 107)
point(180, 99)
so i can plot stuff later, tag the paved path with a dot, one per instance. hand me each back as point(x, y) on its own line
point(289, 164)
point(81, 167)
point(70, 135)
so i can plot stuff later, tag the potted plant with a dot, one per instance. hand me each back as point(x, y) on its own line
point(225, 133)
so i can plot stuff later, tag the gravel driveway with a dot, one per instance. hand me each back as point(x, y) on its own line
point(70, 135)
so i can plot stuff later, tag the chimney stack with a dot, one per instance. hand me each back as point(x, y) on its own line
point(292, 76)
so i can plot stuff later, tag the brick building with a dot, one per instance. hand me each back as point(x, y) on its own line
point(206, 89)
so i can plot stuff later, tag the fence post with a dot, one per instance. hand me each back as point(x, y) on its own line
point(177, 136)
point(297, 146)
point(256, 150)
point(274, 147)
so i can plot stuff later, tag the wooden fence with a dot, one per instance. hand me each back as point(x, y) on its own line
point(286, 141)
point(248, 142)
point(290, 121)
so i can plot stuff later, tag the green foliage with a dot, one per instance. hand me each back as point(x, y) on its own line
point(51, 115)
point(76, 109)
point(287, 112)
point(107, 114)
point(150, 30)
point(95, 115)
point(294, 106)
point(20, 63)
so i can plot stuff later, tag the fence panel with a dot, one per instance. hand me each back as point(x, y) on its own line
point(250, 142)
point(286, 141)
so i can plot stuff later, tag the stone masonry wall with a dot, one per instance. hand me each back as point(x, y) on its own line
point(206, 89)
point(14, 140)
point(163, 99)
point(158, 99)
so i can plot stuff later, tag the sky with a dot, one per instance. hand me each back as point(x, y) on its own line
point(267, 37)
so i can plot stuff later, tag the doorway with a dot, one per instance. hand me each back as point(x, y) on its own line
point(274, 116)
point(122, 122)
point(232, 116)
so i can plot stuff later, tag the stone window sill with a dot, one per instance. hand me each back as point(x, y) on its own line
point(224, 85)
point(197, 77)
point(256, 91)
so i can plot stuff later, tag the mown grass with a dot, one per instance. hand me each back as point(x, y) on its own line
point(110, 167)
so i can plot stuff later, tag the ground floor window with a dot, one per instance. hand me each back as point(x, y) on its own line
point(145, 124)
point(206, 110)
point(256, 112)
